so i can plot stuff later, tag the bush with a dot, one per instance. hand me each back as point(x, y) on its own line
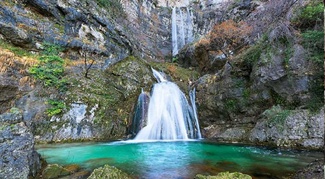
point(313, 40)
point(57, 107)
point(310, 16)
point(227, 36)
point(50, 69)
point(114, 7)
point(277, 116)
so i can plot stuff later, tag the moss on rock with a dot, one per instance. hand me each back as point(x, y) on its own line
point(108, 172)
point(224, 175)
point(54, 171)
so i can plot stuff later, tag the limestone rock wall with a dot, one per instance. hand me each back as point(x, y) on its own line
point(18, 158)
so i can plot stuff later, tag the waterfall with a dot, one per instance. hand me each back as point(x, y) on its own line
point(170, 116)
point(140, 114)
point(174, 32)
point(189, 26)
point(182, 29)
point(194, 113)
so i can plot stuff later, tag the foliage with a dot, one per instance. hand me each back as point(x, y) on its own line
point(174, 59)
point(232, 105)
point(313, 40)
point(252, 55)
point(114, 7)
point(310, 15)
point(14, 110)
point(316, 88)
point(50, 69)
point(227, 36)
point(51, 49)
point(277, 116)
point(57, 107)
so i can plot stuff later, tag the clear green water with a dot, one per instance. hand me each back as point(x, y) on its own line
point(179, 159)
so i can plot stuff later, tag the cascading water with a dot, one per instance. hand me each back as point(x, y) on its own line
point(140, 114)
point(189, 26)
point(182, 29)
point(174, 32)
point(170, 116)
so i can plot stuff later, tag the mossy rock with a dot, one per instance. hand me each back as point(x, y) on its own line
point(54, 171)
point(225, 175)
point(73, 168)
point(108, 172)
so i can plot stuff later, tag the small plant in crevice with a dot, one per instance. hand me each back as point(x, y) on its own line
point(277, 116)
point(313, 41)
point(232, 105)
point(310, 16)
point(50, 71)
point(114, 7)
point(56, 107)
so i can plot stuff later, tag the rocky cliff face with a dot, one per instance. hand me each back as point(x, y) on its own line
point(237, 88)
point(18, 156)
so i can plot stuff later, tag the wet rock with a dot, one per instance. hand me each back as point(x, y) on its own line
point(108, 172)
point(73, 168)
point(54, 171)
point(233, 134)
point(313, 170)
point(18, 156)
point(225, 175)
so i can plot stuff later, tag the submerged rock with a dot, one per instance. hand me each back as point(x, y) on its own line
point(224, 175)
point(54, 171)
point(108, 172)
point(314, 170)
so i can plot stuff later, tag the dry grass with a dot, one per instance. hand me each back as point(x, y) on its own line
point(9, 60)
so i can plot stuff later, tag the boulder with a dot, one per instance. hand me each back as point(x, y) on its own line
point(54, 171)
point(109, 172)
point(290, 128)
point(224, 175)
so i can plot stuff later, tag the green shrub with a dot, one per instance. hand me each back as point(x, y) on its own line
point(56, 107)
point(313, 41)
point(114, 7)
point(310, 15)
point(277, 116)
point(50, 69)
point(232, 105)
point(51, 49)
